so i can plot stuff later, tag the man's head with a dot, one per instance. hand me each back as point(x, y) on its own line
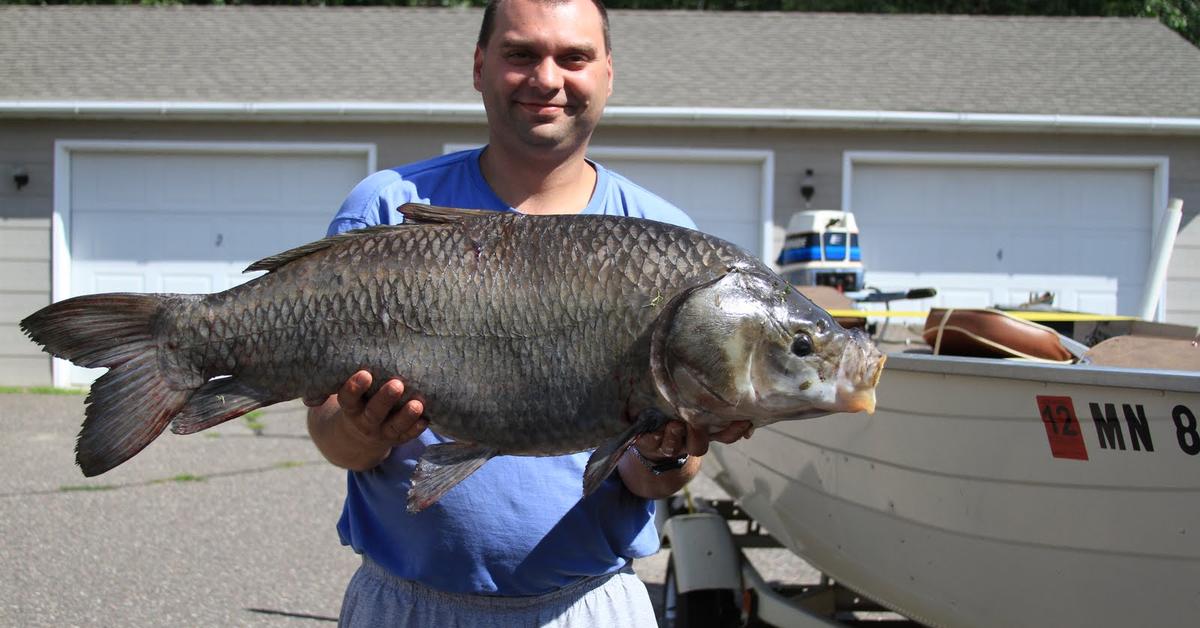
point(545, 73)
point(489, 21)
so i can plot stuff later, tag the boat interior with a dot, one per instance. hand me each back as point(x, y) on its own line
point(1010, 335)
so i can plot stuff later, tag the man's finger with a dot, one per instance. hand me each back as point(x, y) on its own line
point(697, 441)
point(732, 432)
point(673, 439)
point(406, 423)
point(350, 397)
point(380, 405)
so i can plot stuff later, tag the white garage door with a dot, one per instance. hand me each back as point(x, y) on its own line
point(157, 219)
point(986, 233)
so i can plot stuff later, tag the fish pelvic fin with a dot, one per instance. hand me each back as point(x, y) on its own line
point(218, 401)
point(605, 458)
point(130, 405)
point(441, 468)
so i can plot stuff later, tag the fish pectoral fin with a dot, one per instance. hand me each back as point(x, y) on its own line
point(606, 457)
point(216, 402)
point(441, 468)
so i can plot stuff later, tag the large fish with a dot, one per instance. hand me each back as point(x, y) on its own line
point(524, 335)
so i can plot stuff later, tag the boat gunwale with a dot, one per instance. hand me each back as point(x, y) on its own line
point(1081, 374)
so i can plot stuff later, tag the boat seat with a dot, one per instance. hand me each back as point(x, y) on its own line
point(988, 333)
point(1147, 352)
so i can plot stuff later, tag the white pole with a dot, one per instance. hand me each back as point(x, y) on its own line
point(1157, 273)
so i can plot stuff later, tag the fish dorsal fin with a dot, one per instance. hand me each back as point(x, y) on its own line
point(414, 214)
point(417, 213)
point(277, 261)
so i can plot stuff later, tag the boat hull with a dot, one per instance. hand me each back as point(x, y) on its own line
point(990, 493)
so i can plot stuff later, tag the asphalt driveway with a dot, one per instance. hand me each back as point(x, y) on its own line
point(226, 527)
point(220, 528)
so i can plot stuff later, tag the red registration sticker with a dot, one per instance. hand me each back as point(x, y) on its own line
point(1062, 427)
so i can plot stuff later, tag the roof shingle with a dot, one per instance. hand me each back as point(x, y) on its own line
point(911, 63)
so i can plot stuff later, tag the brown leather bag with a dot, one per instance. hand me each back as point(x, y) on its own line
point(990, 333)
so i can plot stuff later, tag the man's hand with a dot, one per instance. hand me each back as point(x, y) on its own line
point(675, 439)
point(357, 432)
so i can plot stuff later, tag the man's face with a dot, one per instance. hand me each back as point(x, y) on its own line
point(545, 74)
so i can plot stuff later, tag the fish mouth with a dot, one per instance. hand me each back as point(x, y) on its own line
point(858, 375)
point(856, 401)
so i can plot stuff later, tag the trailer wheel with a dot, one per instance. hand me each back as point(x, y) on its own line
point(707, 608)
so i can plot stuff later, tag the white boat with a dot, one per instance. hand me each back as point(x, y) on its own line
point(989, 492)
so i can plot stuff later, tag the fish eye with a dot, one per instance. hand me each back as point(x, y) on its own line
point(802, 344)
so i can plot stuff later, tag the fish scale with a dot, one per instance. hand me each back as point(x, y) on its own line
point(521, 334)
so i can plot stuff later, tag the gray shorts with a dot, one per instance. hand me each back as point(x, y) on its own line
point(376, 598)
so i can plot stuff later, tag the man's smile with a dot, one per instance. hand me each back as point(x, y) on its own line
point(541, 108)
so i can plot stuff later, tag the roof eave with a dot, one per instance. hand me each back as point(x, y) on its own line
point(445, 112)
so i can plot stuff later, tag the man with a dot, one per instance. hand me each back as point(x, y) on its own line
point(513, 544)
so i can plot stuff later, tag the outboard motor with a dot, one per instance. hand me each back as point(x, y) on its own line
point(821, 249)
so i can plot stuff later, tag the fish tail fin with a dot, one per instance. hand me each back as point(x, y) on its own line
point(131, 404)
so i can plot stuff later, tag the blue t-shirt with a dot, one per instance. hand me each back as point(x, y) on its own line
point(517, 526)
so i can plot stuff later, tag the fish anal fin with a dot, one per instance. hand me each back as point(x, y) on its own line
point(606, 457)
point(441, 468)
point(216, 402)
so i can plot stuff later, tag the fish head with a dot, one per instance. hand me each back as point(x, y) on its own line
point(749, 346)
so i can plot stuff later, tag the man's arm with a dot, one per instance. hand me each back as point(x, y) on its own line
point(357, 433)
point(672, 441)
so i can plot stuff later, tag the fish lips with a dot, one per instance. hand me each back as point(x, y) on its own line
point(858, 375)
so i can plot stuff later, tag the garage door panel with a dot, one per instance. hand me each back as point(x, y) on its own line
point(215, 237)
point(103, 182)
point(951, 250)
point(1083, 293)
point(186, 283)
point(738, 233)
point(110, 281)
point(173, 186)
point(211, 182)
point(697, 187)
point(1110, 199)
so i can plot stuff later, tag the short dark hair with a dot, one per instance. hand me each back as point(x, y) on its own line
point(489, 21)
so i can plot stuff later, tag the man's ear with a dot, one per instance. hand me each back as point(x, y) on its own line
point(608, 61)
point(477, 71)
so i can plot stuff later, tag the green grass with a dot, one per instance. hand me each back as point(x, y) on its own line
point(41, 390)
point(80, 488)
point(252, 421)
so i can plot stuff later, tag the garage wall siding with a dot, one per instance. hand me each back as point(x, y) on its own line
point(25, 215)
point(24, 251)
